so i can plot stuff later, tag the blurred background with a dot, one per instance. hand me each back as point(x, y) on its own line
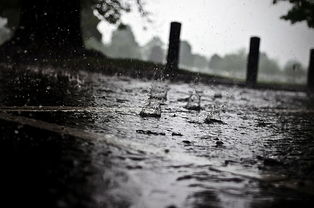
point(214, 39)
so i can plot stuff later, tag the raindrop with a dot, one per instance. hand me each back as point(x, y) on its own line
point(151, 110)
point(194, 101)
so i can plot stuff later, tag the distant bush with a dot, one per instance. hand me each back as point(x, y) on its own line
point(234, 65)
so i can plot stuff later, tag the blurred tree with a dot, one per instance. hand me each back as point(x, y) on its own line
point(185, 56)
point(53, 27)
point(235, 64)
point(123, 44)
point(92, 38)
point(214, 62)
point(268, 66)
point(157, 54)
point(294, 71)
point(302, 10)
point(148, 47)
point(199, 61)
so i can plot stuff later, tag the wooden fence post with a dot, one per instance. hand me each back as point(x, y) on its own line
point(310, 75)
point(173, 49)
point(253, 59)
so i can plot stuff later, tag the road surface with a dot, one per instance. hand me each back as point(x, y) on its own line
point(91, 140)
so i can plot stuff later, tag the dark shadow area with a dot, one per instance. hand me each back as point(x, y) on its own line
point(44, 169)
point(289, 161)
point(205, 199)
point(41, 168)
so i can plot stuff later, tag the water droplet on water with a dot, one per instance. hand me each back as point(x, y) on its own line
point(151, 110)
point(194, 101)
point(158, 91)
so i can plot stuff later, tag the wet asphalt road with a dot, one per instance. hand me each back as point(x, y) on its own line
point(81, 141)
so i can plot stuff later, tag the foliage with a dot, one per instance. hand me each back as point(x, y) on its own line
point(156, 55)
point(268, 66)
point(109, 10)
point(123, 44)
point(199, 61)
point(185, 56)
point(294, 71)
point(147, 50)
point(302, 10)
point(89, 23)
point(215, 61)
point(235, 64)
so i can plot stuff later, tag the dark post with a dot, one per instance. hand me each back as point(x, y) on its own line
point(310, 75)
point(252, 64)
point(174, 48)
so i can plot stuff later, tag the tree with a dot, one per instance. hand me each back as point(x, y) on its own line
point(268, 66)
point(199, 61)
point(123, 44)
point(92, 38)
point(148, 47)
point(302, 10)
point(294, 71)
point(215, 61)
point(235, 64)
point(52, 28)
point(185, 56)
point(157, 55)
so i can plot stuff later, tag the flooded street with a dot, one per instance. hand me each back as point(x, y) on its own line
point(91, 140)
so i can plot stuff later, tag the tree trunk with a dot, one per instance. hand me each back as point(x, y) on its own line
point(47, 28)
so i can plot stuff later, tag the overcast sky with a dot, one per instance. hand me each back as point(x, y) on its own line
point(222, 26)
